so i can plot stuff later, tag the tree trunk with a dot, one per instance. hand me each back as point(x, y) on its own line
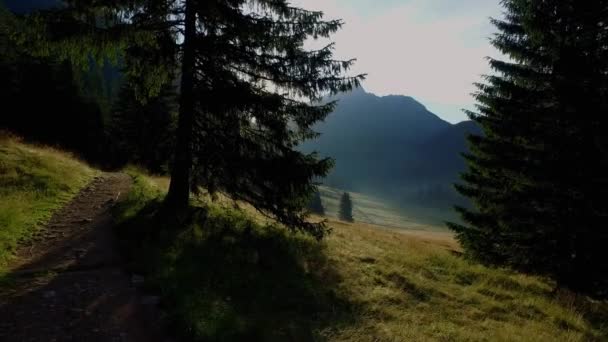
point(179, 189)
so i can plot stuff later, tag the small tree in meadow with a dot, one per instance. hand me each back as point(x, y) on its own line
point(346, 208)
point(316, 204)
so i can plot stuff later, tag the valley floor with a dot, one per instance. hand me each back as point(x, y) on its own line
point(379, 212)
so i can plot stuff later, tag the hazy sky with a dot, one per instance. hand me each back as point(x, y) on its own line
point(432, 50)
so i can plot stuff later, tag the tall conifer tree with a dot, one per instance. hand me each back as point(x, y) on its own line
point(143, 133)
point(248, 88)
point(253, 86)
point(539, 175)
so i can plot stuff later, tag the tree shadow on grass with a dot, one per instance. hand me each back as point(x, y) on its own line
point(224, 277)
point(593, 310)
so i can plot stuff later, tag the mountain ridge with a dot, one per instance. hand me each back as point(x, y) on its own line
point(392, 146)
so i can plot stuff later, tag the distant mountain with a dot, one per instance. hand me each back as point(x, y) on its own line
point(440, 157)
point(371, 137)
point(392, 146)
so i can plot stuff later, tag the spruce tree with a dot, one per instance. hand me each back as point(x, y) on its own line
point(316, 204)
point(252, 87)
point(249, 89)
point(346, 208)
point(538, 175)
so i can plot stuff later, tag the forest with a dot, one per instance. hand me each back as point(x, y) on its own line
point(214, 171)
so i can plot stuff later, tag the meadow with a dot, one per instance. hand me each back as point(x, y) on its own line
point(225, 273)
point(380, 212)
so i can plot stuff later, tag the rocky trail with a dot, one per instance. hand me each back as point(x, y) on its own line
point(70, 283)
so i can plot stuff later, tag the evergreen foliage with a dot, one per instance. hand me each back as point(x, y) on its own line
point(316, 204)
point(249, 89)
point(253, 84)
point(346, 208)
point(538, 175)
point(42, 102)
point(48, 101)
point(143, 133)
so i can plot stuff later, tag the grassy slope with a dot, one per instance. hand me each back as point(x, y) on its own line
point(227, 277)
point(34, 181)
point(373, 210)
point(230, 277)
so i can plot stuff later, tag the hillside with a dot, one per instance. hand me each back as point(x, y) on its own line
point(229, 275)
point(440, 156)
point(34, 182)
point(376, 211)
point(372, 138)
point(60, 257)
point(394, 148)
point(215, 171)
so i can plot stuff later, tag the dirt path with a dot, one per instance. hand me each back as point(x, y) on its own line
point(70, 282)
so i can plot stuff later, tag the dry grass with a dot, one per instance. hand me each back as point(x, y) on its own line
point(373, 210)
point(415, 287)
point(363, 283)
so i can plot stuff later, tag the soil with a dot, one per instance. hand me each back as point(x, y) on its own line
point(70, 280)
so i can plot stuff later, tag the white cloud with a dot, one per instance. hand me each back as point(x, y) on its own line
point(432, 50)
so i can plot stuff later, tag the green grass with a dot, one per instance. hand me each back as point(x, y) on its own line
point(34, 182)
point(222, 276)
point(409, 288)
point(225, 275)
point(373, 210)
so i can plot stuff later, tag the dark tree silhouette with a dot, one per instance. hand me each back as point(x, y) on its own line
point(143, 133)
point(249, 89)
point(44, 99)
point(245, 132)
point(538, 175)
point(346, 208)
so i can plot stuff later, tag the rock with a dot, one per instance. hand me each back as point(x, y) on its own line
point(150, 300)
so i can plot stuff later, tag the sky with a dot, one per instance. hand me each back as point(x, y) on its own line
point(432, 50)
